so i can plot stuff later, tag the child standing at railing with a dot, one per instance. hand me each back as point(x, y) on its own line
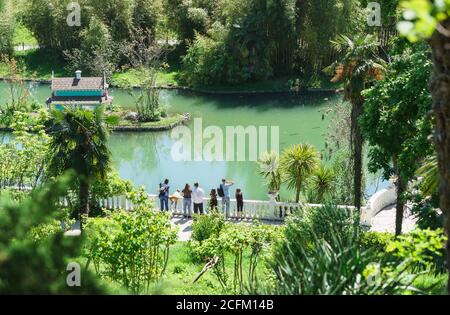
point(239, 202)
point(213, 201)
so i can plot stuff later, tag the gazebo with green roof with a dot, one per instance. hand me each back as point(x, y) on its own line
point(84, 92)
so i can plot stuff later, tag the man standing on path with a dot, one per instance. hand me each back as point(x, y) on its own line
point(197, 197)
point(226, 196)
point(164, 195)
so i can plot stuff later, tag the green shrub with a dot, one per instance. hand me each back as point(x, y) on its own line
point(220, 58)
point(321, 222)
point(424, 249)
point(376, 240)
point(43, 231)
point(206, 63)
point(322, 253)
point(425, 210)
point(206, 226)
point(28, 266)
point(335, 267)
point(236, 240)
point(111, 185)
point(7, 24)
point(132, 246)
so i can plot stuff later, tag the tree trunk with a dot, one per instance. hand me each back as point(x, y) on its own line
point(84, 199)
point(440, 89)
point(357, 147)
point(400, 206)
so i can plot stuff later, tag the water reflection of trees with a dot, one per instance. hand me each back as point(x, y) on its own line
point(140, 148)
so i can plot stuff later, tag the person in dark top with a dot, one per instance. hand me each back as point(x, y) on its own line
point(164, 195)
point(239, 202)
point(213, 201)
point(187, 201)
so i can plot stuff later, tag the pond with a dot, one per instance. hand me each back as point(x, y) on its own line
point(146, 159)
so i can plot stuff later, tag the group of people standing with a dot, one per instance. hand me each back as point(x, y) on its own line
point(196, 195)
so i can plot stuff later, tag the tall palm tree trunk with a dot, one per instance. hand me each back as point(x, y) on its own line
point(400, 205)
point(357, 147)
point(440, 89)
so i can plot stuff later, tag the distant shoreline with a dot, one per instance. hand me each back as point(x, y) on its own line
point(213, 92)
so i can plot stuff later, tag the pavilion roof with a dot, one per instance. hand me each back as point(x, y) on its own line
point(72, 84)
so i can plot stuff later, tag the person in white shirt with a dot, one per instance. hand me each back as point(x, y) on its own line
point(197, 197)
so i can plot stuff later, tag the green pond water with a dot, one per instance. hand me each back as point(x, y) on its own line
point(146, 159)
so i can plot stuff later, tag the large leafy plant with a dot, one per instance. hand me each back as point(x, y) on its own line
point(423, 248)
point(133, 247)
point(322, 252)
point(236, 241)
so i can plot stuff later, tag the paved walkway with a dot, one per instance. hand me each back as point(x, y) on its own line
point(385, 221)
point(184, 228)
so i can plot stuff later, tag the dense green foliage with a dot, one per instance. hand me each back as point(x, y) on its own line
point(215, 241)
point(132, 247)
point(253, 40)
point(402, 96)
point(7, 24)
point(23, 159)
point(47, 19)
point(424, 249)
point(431, 20)
point(324, 251)
point(217, 42)
point(31, 266)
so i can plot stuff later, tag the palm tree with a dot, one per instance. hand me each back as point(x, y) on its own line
point(79, 143)
point(358, 66)
point(297, 163)
point(323, 182)
point(429, 172)
point(269, 168)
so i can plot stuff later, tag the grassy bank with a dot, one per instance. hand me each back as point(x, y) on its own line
point(182, 269)
point(166, 123)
